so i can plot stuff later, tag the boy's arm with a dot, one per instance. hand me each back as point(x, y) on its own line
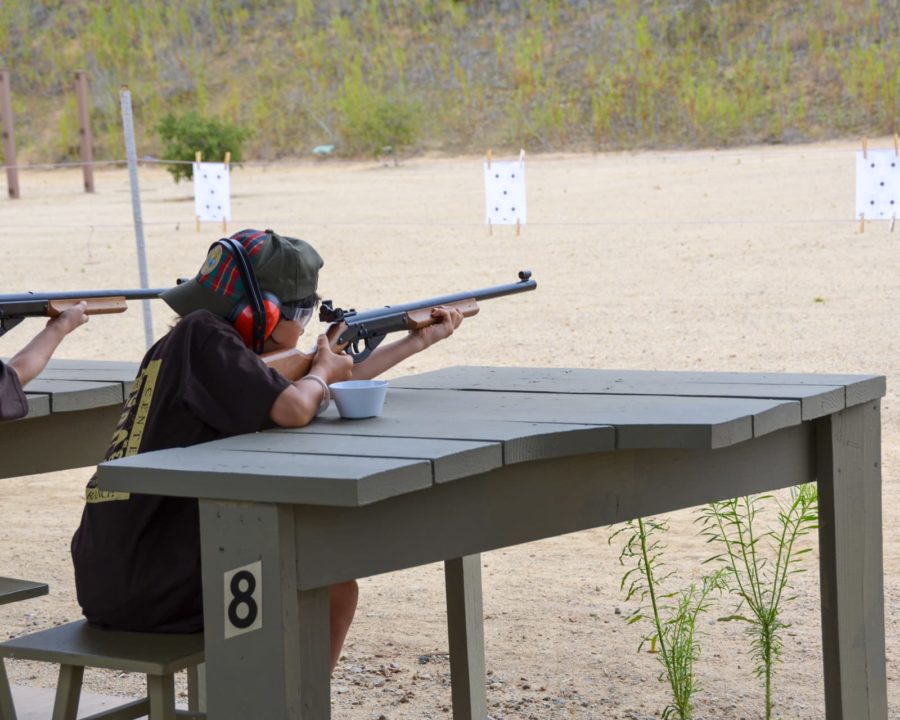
point(386, 356)
point(300, 401)
point(33, 358)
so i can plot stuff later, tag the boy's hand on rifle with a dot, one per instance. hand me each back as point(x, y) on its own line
point(446, 320)
point(328, 365)
point(70, 318)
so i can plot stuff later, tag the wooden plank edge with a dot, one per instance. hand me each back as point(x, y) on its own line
point(351, 492)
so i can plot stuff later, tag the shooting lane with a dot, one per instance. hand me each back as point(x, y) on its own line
point(73, 407)
point(471, 459)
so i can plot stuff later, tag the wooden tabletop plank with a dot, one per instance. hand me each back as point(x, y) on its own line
point(98, 374)
point(71, 395)
point(521, 441)
point(38, 404)
point(123, 365)
point(819, 395)
point(863, 391)
point(450, 459)
point(640, 420)
point(587, 376)
point(265, 477)
point(13, 590)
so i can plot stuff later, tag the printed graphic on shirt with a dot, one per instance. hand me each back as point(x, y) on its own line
point(126, 439)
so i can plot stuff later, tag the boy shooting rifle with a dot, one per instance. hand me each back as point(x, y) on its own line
point(137, 557)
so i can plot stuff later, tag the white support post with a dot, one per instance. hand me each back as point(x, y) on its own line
point(131, 157)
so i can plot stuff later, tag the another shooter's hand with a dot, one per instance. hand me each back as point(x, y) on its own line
point(70, 318)
point(330, 366)
point(446, 320)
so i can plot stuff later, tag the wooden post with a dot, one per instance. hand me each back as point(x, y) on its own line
point(9, 141)
point(84, 130)
point(198, 158)
point(490, 157)
point(227, 168)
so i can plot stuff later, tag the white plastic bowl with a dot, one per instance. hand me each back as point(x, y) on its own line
point(359, 398)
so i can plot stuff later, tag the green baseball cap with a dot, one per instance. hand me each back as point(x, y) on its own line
point(284, 266)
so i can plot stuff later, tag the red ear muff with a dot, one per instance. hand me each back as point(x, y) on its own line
point(242, 318)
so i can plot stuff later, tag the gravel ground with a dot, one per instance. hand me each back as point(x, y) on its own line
point(739, 260)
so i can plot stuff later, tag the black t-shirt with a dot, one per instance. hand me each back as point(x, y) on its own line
point(137, 557)
point(13, 403)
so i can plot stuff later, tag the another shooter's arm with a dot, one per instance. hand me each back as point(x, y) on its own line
point(33, 358)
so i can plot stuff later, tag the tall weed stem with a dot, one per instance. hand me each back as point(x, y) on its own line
point(673, 615)
point(759, 563)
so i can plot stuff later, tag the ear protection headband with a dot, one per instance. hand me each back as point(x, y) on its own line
point(255, 317)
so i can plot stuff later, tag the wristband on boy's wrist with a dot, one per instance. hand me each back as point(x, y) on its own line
point(326, 396)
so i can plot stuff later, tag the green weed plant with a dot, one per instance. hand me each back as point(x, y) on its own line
point(759, 562)
point(672, 614)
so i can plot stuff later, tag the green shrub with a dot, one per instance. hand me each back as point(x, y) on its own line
point(375, 122)
point(185, 135)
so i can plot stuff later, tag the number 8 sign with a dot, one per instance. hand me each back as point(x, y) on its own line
point(243, 599)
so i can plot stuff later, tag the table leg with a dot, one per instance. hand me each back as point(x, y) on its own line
point(850, 542)
point(465, 627)
point(315, 654)
point(267, 650)
point(7, 709)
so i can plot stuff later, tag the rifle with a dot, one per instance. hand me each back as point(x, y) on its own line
point(359, 333)
point(15, 308)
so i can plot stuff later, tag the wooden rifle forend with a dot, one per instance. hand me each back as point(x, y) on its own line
point(416, 319)
point(95, 305)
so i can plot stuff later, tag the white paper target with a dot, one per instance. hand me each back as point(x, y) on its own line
point(504, 192)
point(212, 191)
point(877, 184)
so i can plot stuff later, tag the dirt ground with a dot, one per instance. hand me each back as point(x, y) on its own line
point(743, 260)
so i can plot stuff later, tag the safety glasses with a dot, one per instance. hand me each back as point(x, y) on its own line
point(296, 314)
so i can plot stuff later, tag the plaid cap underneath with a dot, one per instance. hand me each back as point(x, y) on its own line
point(220, 272)
point(284, 266)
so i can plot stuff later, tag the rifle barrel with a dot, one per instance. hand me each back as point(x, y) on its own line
point(482, 294)
point(131, 294)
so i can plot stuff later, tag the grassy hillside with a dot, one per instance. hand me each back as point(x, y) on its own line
point(578, 75)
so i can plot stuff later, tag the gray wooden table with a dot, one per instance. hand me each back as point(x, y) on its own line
point(467, 460)
point(73, 407)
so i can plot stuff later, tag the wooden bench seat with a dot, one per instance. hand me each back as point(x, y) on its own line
point(76, 646)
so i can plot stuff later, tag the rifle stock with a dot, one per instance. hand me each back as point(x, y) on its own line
point(290, 364)
point(293, 364)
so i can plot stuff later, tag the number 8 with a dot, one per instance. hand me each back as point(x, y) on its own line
point(242, 597)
